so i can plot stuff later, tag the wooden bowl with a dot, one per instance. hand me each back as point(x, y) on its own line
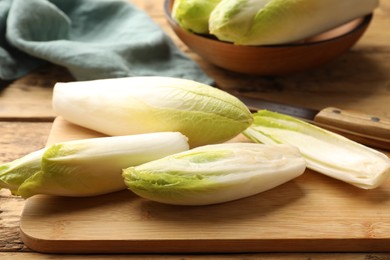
point(272, 60)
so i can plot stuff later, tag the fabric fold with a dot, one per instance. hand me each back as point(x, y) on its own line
point(92, 39)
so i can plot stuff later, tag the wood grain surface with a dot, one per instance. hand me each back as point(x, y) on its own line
point(311, 213)
point(359, 80)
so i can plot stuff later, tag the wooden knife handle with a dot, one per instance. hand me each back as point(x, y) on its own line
point(367, 129)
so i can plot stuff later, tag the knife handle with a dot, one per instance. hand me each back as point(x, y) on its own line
point(367, 129)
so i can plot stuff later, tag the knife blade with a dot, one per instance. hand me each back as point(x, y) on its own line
point(370, 130)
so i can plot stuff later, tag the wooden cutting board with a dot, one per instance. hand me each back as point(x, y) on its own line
point(312, 213)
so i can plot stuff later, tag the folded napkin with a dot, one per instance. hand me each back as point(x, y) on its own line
point(93, 39)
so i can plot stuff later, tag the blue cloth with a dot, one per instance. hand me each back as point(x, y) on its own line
point(93, 39)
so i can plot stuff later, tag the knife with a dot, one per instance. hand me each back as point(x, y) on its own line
point(366, 129)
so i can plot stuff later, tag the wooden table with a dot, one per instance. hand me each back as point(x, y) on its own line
point(359, 80)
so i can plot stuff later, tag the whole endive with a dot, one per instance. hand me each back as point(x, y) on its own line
point(86, 167)
point(265, 22)
point(193, 15)
point(215, 173)
point(136, 105)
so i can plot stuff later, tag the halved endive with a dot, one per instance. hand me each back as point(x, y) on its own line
point(265, 22)
point(193, 15)
point(137, 105)
point(215, 173)
point(325, 152)
point(86, 167)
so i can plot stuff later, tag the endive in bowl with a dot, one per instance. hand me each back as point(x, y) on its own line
point(267, 58)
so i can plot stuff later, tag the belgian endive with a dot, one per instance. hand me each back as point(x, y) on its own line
point(215, 173)
point(264, 22)
point(137, 105)
point(86, 167)
point(325, 152)
point(193, 15)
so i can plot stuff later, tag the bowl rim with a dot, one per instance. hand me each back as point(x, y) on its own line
point(366, 19)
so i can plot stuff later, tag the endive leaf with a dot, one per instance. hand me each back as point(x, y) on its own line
point(13, 174)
